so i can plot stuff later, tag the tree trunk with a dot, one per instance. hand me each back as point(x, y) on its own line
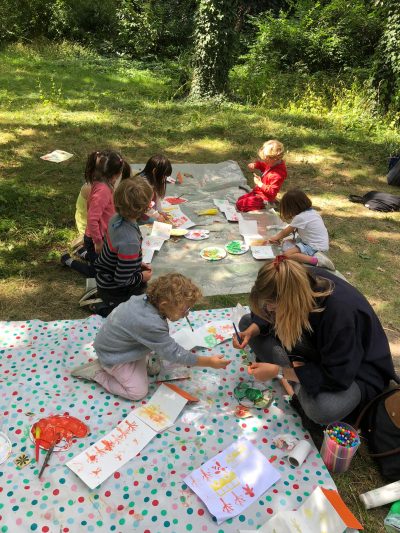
point(214, 44)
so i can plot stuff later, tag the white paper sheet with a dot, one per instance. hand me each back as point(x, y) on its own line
point(249, 230)
point(227, 209)
point(160, 229)
point(233, 479)
point(57, 156)
point(262, 252)
point(207, 336)
point(316, 515)
point(162, 409)
point(97, 463)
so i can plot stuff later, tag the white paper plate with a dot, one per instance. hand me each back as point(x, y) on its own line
point(236, 247)
point(178, 232)
point(197, 234)
point(5, 447)
point(213, 253)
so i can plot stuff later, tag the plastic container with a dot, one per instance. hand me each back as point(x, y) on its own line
point(337, 457)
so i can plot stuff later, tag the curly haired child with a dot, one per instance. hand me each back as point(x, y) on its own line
point(274, 173)
point(138, 327)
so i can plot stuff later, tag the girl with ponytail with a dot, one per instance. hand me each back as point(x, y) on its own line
point(317, 331)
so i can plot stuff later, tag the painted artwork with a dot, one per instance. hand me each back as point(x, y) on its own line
point(323, 512)
point(206, 336)
point(97, 463)
point(178, 218)
point(162, 409)
point(174, 200)
point(161, 229)
point(233, 480)
point(227, 209)
point(57, 156)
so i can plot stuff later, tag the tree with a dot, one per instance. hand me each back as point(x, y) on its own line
point(214, 45)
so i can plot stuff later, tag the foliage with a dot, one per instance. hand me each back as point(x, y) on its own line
point(213, 54)
point(315, 36)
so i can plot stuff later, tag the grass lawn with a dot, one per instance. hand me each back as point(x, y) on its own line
point(66, 98)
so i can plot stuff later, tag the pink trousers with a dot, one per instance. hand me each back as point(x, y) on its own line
point(128, 380)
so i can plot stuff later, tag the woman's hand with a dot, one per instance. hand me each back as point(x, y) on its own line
point(263, 371)
point(245, 336)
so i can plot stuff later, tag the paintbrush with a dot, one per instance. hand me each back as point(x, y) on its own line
point(47, 458)
point(188, 321)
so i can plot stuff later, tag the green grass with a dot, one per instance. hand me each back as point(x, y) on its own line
point(68, 98)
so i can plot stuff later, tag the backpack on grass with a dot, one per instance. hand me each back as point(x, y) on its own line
point(380, 423)
point(378, 201)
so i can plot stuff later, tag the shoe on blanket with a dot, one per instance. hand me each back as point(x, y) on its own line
point(315, 430)
point(324, 261)
point(87, 371)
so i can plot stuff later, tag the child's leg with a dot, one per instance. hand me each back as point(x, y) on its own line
point(249, 202)
point(128, 380)
point(295, 254)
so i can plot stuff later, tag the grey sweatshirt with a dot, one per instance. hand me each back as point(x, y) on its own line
point(134, 329)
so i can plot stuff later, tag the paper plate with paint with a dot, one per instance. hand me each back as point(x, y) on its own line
point(178, 232)
point(5, 447)
point(197, 234)
point(236, 247)
point(213, 253)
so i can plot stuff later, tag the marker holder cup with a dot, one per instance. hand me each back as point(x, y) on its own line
point(337, 457)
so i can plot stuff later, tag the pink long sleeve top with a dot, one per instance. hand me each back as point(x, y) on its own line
point(100, 210)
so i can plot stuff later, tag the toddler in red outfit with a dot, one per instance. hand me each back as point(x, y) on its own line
point(274, 173)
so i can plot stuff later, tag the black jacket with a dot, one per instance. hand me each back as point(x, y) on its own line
point(349, 344)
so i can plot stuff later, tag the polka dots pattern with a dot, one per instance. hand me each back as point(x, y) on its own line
point(147, 494)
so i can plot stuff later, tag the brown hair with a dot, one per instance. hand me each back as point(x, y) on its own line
point(173, 288)
point(294, 290)
point(103, 166)
point(126, 171)
point(292, 203)
point(156, 171)
point(132, 198)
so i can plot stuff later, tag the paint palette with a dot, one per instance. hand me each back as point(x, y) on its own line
point(5, 447)
point(236, 247)
point(213, 253)
point(197, 234)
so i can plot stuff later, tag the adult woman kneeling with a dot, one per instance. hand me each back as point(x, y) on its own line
point(318, 331)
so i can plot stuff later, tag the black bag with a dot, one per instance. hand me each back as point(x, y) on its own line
point(378, 201)
point(380, 423)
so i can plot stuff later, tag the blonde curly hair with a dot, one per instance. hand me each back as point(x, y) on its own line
point(273, 149)
point(173, 288)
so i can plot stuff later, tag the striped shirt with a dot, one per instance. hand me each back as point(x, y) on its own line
point(119, 264)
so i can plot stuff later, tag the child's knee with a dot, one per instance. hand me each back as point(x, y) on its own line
point(137, 393)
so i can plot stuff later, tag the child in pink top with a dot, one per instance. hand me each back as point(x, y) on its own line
point(274, 173)
point(102, 171)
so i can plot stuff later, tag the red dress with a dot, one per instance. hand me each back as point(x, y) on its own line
point(272, 179)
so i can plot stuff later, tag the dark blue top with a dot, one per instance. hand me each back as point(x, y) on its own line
point(349, 344)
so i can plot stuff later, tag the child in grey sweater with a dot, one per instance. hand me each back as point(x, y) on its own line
point(139, 326)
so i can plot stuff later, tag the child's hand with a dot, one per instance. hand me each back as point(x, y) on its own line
point(218, 361)
point(164, 217)
point(257, 180)
point(251, 166)
point(98, 246)
point(263, 371)
point(244, 336)
point(274, 239)
point(146, 275)
point(146, 266)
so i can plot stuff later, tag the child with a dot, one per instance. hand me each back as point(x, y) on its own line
point(296, 209)
point(274, 173)
point(156, 171)
point(82, 200)
point(138, 327)
point(120, 272)
point(106, 169)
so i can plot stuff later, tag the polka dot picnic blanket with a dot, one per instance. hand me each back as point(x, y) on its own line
point(147, 494)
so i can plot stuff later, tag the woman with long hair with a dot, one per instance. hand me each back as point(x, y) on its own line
point(317, 331)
